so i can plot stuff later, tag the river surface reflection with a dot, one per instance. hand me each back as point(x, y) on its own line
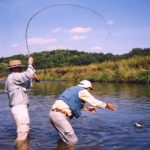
point(103, 130)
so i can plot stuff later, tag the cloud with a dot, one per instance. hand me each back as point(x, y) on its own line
point(96, 48)
point(78, 37)
point(77, 30)
point(110, 22)
point(15, 45)
point(80, 30)
point(41, 40)
point(58, 29)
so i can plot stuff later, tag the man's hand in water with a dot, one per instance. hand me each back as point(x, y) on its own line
point(111, 106)
point(90, 108)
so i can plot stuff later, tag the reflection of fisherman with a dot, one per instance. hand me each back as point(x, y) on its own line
point(16, 87)
point(64, 146)
point(69, 104)
point(22, 145)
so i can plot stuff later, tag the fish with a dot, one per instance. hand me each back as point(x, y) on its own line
point(138, 125)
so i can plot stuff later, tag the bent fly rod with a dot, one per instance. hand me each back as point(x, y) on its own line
point(100, 17)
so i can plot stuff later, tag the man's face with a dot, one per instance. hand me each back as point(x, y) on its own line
point(16, 69)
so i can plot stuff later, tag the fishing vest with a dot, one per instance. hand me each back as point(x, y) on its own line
point(71, 98)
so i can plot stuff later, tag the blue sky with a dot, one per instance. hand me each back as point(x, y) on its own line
point(107, 26)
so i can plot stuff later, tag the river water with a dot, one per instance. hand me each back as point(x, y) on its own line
point(103, 130)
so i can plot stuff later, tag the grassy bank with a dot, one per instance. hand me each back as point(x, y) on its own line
point(135, 69)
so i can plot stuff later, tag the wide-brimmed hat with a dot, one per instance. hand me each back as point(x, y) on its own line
point(86, 84)
point(15, 63)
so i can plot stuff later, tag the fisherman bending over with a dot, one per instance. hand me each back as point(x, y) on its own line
point(69, 104)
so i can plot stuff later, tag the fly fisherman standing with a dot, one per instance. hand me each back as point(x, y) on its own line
point(69, 104)
point(16, 87)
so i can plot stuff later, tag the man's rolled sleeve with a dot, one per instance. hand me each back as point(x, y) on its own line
point(88, 98)
point(26, 75)
point(31, 67)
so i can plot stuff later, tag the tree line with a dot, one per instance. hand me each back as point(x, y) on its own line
point(63, 58)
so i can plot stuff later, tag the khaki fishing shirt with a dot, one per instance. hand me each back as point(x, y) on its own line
point(83, 95)
point(16, 86)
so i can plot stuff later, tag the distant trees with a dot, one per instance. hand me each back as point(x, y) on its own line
point(63, 58)
point(3, 70)
point(137, 52)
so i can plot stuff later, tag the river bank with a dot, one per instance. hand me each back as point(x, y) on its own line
point(135, 70)
point(131, 70)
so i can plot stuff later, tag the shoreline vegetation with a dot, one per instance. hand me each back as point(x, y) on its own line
point(126, 70)
point(69, 65)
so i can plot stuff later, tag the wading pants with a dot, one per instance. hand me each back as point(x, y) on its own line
point(21, 118)
point(62, 124)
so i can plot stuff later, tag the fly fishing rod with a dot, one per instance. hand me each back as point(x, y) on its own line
point(60, 5)
point(100, 17)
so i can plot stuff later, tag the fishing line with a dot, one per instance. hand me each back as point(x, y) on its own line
point(58, 5)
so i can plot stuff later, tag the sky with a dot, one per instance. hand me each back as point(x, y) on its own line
point(102, 26)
